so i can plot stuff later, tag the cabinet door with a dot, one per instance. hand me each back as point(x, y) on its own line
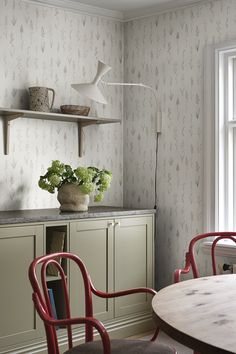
point(92, 241)
point(18, 247)
point(133, 262)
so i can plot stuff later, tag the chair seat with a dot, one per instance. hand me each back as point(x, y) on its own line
point(123, 346)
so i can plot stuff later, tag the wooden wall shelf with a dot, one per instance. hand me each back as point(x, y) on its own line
point(82, 121)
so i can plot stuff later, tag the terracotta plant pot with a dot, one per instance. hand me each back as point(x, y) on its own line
point(72, 199)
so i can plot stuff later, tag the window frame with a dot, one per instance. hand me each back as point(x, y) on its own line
point(213, 112)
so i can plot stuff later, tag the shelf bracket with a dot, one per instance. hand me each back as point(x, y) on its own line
point(80, 137)
point(81, 125)
point(7, 125)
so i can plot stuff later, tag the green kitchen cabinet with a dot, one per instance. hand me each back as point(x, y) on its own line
point(117, 247)
point(18, 247)
point(119, 255)
point(133, 263)
point(92, 241)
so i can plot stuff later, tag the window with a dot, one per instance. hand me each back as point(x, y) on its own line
point(220, 138)
point(226, 141)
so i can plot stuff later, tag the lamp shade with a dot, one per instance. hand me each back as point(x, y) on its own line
point(91, 90)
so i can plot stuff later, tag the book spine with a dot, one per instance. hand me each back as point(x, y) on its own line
point(53, 306)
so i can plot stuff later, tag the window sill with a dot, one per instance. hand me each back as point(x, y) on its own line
point(221, 249)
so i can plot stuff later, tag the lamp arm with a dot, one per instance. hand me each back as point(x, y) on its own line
point(159, 118)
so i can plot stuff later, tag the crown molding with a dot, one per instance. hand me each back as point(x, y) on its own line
point(122, 16)
point(81, 8)
point(171, 5)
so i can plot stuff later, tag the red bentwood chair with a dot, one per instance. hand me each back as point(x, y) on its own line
point(105, 345)
point(190, 262)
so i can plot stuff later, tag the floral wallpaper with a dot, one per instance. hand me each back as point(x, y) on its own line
point(52, 47)
point(166, 52)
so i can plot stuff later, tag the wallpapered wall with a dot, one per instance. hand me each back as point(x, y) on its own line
point(52, 47)
point(166, 52)
point(55, 47)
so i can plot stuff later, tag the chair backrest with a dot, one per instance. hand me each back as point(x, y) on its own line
point(43, 303)
point(190, 259)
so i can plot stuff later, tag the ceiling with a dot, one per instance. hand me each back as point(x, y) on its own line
point(130, 5)
point(123, 10)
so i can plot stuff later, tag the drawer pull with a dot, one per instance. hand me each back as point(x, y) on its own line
point(110, 224)
point(117, 223)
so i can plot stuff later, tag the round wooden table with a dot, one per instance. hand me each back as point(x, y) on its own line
point(200, 313)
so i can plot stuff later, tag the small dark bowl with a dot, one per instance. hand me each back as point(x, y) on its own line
point(74, 109)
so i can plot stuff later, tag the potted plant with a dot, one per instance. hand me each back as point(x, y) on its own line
point(75, 185)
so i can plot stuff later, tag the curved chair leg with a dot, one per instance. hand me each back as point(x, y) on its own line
point(154, 337)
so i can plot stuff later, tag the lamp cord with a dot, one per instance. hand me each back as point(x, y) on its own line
point(156, 163)
point(158, 127)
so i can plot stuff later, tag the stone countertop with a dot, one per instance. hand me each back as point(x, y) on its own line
point(44, 215)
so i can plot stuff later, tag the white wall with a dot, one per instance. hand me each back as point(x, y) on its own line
point(54, 47)
point(166, 52)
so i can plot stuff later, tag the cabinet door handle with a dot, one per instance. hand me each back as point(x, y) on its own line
point(110, 224)
point(117, 223)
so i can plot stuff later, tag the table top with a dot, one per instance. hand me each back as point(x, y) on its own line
point(200, 313)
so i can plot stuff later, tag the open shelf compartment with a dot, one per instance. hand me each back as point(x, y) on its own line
point(56, 241)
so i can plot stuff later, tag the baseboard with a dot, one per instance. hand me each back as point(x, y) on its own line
point(122, 327)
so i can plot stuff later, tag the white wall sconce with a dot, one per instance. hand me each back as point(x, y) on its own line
point(92, 91)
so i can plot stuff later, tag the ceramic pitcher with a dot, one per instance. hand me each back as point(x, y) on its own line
point(39, 99)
